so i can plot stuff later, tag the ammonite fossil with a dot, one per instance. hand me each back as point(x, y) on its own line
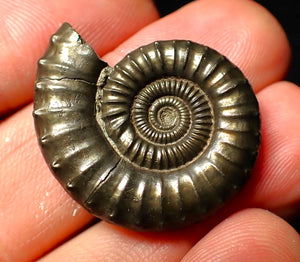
point(159, 141)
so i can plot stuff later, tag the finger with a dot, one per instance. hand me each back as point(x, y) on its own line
point(254, 235)
point(32, 219)
point(26, 26)
point(242, 30)
point(250, 235)
point(276, 177)
point(105, 242)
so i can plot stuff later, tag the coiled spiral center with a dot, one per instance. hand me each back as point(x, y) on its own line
point(160, 120)
point(165, 114)
point(167, 124)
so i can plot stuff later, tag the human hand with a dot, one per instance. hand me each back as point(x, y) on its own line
point(37, 215)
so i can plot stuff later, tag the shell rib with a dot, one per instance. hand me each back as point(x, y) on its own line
point(159, 141)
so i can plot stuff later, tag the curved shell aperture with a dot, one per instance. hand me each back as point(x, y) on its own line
point(159, 141)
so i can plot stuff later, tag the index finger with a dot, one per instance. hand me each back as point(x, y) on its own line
point(25, 28)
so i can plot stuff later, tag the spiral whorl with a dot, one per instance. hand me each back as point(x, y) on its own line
point(155, 115)
point(169, 122)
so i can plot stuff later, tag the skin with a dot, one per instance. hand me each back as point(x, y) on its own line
point(38, 220)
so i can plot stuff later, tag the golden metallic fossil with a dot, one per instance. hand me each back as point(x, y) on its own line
point(159, 141)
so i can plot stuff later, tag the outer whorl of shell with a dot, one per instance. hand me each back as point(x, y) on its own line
point(159, 141)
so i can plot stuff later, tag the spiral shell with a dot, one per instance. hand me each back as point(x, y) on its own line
point(159, 141)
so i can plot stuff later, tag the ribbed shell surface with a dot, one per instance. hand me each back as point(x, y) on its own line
point(165, 138)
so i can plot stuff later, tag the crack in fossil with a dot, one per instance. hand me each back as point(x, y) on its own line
point(101, 180)
point(68, 78)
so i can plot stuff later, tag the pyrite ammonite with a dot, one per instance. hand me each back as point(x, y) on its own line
point(159, 141)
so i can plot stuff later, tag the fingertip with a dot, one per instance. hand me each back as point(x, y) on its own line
point(242, 30)
point(277, 172)
point(26, 27)
point(250, 235)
